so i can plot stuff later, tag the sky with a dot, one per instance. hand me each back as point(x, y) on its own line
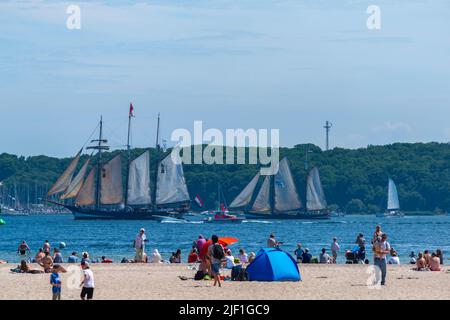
point(264, 64)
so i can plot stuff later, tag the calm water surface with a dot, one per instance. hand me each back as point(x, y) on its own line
point(114, 238)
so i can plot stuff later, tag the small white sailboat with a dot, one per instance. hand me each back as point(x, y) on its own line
point(393, 203)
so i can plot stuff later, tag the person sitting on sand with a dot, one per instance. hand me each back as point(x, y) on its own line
point(440, 255)
point(39, 256)
point(299, 253)
point(412, 257)
point(427, 257)
point(394, 259)
point(106, 260)
point(229, 260)
point(23, 248)
point(46, 247)
point(324, 257)
point(156, 256)
point(177, 257)
point(242, 256)
point(251, 257)
point(85, 257)
point(193, 256)
point(421, 264)
point(307, 256)
point(57, 256)
point(73, 258)
point(435, 263)
point(47, 262)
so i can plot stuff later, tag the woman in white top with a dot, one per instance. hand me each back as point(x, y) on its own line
point(229, 260)
point(394, 259)
point(156, 257)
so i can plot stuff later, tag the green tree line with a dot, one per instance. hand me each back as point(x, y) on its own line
point(354, 180)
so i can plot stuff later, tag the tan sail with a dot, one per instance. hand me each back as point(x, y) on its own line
point(64, 180)
point(262, 201)
point(315, 196)
point(286, 197)
point(246, 195)
point(139, 180)
point(111, 189)
point(86, 196)
point(76, 183)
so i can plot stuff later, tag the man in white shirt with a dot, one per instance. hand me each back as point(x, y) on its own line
point(335, 249)
point(139, 245)
point(381, 248)
point(87, 283)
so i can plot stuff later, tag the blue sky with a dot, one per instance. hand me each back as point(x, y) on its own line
point(287, 64)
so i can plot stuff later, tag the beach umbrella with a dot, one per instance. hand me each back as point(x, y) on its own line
point(227, 241)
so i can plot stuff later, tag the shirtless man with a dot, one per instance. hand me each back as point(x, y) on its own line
point(47, 263)
point(435, 262)
point(427, 256)
point(40, 255)
point(23, 248)
point(421, 264)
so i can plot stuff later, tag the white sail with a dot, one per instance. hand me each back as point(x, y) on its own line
point(393, 202)
point(286, 197)
point(262, 201)
point(315, 197)
point(76, 183)
point(86, 196)
point(64, 180)
point(171, 185)
point(246, 195)
point(111, 190)
point(139, 180)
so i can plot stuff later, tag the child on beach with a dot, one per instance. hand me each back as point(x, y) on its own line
point(55, 281)
point(87, 283)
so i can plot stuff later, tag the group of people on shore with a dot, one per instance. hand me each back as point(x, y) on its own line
point(426, 261)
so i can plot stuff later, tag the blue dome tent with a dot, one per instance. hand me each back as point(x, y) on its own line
point(273, 264)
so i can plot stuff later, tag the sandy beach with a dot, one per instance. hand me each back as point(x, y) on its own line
point(136, 281)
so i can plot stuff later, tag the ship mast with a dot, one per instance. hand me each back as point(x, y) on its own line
point(99, 147)
point(155, 180)
point(130, 115)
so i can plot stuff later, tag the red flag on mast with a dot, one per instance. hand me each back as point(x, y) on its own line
point(131, 110)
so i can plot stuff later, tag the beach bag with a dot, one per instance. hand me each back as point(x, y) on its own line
point(218, 252)
point(199, 275)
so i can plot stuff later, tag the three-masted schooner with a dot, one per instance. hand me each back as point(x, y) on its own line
point(101, 196)
point(278, 198)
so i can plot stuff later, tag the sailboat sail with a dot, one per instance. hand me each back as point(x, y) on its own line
point(111, 182)
point(315, 197)
point(286, 197)
point(262, 201)
point(139, 180)
point(393, 202)
point(245, 196)
point(86, 196)
point(171, 185)
point(64, 180)
point(76, 183)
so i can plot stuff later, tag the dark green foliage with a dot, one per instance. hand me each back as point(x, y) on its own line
point(354, 180)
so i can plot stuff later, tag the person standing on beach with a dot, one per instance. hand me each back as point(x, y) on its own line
point(334, 250)
point(215, 254)
point(88, 282)
point(55, 281)
point(139, 245)
point(299, 253)
point(381, 249)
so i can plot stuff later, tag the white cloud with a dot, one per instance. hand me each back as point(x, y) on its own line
point(390, 126)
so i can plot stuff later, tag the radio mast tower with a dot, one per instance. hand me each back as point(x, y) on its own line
point(327, 127)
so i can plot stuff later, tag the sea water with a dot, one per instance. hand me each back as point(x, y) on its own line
point(114, 239)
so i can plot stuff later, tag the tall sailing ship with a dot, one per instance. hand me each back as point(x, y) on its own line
point(278, 198)
point(100, 194)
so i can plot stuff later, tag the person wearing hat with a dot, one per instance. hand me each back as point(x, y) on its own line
point(87, 284)
point(139, 247)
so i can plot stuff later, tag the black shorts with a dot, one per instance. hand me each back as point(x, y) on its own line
point(89, 292)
